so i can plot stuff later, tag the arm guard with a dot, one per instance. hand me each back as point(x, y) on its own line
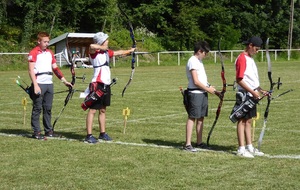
point(58, 73)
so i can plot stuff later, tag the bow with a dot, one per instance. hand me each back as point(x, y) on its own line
point(26, 89)
point(219, 94)
point(269, 96)
point(133, 53)
point(70, 92)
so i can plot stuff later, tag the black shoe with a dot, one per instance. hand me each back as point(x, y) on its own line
point(202, 146)
point(38, 136)
point(52, 134)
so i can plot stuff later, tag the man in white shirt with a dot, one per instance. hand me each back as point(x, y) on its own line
point(197, 95)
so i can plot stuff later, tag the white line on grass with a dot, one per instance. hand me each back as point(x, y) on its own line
point(154, 146)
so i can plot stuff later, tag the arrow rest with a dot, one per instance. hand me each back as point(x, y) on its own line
point(234, 85)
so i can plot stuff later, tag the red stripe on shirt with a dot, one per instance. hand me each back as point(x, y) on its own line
point(240, 66)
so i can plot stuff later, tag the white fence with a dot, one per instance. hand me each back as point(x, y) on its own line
point(215, 54)
point(61, 60)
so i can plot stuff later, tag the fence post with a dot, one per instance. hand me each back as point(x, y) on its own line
point(158, 59)
point(215, 56)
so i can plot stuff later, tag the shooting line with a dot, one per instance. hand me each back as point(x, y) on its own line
point(296, 157)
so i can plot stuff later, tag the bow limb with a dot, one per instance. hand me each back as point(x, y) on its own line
point(133, 53)
point(269, 96)
point(220, 94)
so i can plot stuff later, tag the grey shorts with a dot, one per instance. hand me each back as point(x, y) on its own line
point(198, 105)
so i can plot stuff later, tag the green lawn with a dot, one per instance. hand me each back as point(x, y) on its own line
point(148, 155)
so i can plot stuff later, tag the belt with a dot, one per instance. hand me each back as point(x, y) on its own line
point(192, 89)
point(195, 89)
point(44, 73)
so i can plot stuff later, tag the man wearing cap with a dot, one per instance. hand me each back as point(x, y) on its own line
point(99, 57)
point(248, 88)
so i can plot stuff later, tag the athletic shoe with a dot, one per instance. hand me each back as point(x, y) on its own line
point(90, 139)
point(52, 134)
point(202, 146)
point(38, 136)
point(256, 152)
point(189, 148)
point(104, 137)
point(245, 154)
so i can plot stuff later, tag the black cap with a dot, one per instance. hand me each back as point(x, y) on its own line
point(256, 41)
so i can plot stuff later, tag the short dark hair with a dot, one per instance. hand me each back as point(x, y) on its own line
point(201, 45)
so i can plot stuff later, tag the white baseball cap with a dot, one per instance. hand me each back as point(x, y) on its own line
point(100, 37)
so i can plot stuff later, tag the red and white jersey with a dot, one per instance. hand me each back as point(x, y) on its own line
point(100, 62)
point(246, 69)
point(43, 63)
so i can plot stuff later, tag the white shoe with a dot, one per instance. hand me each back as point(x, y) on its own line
point(245, 154)
point(256, 152)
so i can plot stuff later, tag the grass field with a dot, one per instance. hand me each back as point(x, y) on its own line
point(148, 155)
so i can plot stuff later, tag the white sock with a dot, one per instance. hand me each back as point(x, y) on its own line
point(250, 147)
point(241, 149)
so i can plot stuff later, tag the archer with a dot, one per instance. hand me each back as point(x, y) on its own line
point(41, 66)
point(249, 93)
point(196, 95)
point(99, 94)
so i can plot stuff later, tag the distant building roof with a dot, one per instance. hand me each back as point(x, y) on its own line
point(74, 38)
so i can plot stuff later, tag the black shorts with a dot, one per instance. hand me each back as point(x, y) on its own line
point(251, 113)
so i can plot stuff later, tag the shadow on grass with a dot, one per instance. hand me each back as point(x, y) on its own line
point(27, 133)
point(159, 142)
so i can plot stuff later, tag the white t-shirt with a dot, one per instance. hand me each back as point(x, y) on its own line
point(195, 64)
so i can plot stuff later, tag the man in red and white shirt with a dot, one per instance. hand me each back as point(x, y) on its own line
point(99, 57)
point(249, 88)
point(41, 66)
